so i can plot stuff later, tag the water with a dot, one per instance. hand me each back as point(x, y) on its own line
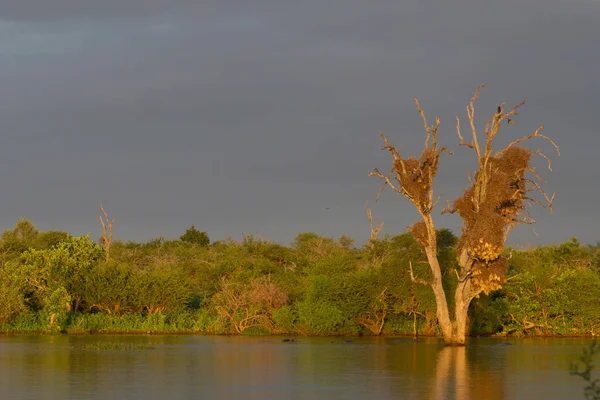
point(195, 367)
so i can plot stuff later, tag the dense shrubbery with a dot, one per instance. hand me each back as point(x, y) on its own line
point(50, 282)
point(552, 290)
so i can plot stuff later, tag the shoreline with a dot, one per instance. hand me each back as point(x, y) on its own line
point(191, 333)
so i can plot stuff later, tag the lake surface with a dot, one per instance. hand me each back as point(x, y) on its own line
point(216, 367)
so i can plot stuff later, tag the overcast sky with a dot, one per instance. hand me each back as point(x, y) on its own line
point(262, 116)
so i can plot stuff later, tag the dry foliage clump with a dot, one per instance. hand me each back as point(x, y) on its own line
point(415, 176)
point(419, 232)
point(491, 275)
point(500, 202)
point(498, 197)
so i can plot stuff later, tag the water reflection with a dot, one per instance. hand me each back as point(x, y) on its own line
point(180, 367)
point(474, 372)
point(451, 377)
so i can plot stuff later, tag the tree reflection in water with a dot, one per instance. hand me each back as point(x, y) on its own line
point(470, 373)
point(451, 374)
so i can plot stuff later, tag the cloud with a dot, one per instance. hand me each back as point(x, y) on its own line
point(250, 116)
point(40, 10)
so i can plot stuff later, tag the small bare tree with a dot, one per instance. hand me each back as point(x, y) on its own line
point(107, 231)
point(374, 316)
point(374, 231)
point(497, 200)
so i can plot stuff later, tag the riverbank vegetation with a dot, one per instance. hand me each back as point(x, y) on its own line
point(52, 282)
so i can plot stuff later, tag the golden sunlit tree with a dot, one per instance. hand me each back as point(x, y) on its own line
point(500, 192)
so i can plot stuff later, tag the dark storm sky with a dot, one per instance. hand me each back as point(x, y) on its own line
point(255, 116)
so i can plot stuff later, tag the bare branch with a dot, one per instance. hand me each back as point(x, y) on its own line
point(464, 278)
point(430, 130)
point(448, 209)
point(374, 231)
point(388, 182)
point(395, 154)
point(539, 153)
point(107, 231)
point(416, 280)
point(462, 141)
point(525, 138)
point(535, 174)
point(425, 124)
point(471, 115)
point(543, 193)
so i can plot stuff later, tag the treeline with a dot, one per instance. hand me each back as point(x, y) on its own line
point(54, 282)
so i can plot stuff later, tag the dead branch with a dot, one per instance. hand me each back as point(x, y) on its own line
point(448, 209)
point(471, 115)
point(539, 189)
point(462, 141)
point(525, 138)
point(464, 278)
point(539, 153)
point(393, 151)
point(416, 280)
point(430, 130)
point(388, 182)
point(535, 174)
point(107, 231)
point(374, 231)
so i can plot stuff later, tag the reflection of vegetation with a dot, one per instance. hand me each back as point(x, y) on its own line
point(53, 282)
point(117, 346)
point(584, 370)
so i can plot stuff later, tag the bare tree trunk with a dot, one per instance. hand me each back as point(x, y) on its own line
point(441, 303)
point(461, 309)
point(454, 327)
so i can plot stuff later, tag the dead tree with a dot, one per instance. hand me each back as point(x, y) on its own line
point(374, 231)
point(501, 191)
point(107, 231)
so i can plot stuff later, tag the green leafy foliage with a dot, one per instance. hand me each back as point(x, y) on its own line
point(56, 276)
point(551, 290)
point(194, 236)
point(51, 281)
point(12, 293)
